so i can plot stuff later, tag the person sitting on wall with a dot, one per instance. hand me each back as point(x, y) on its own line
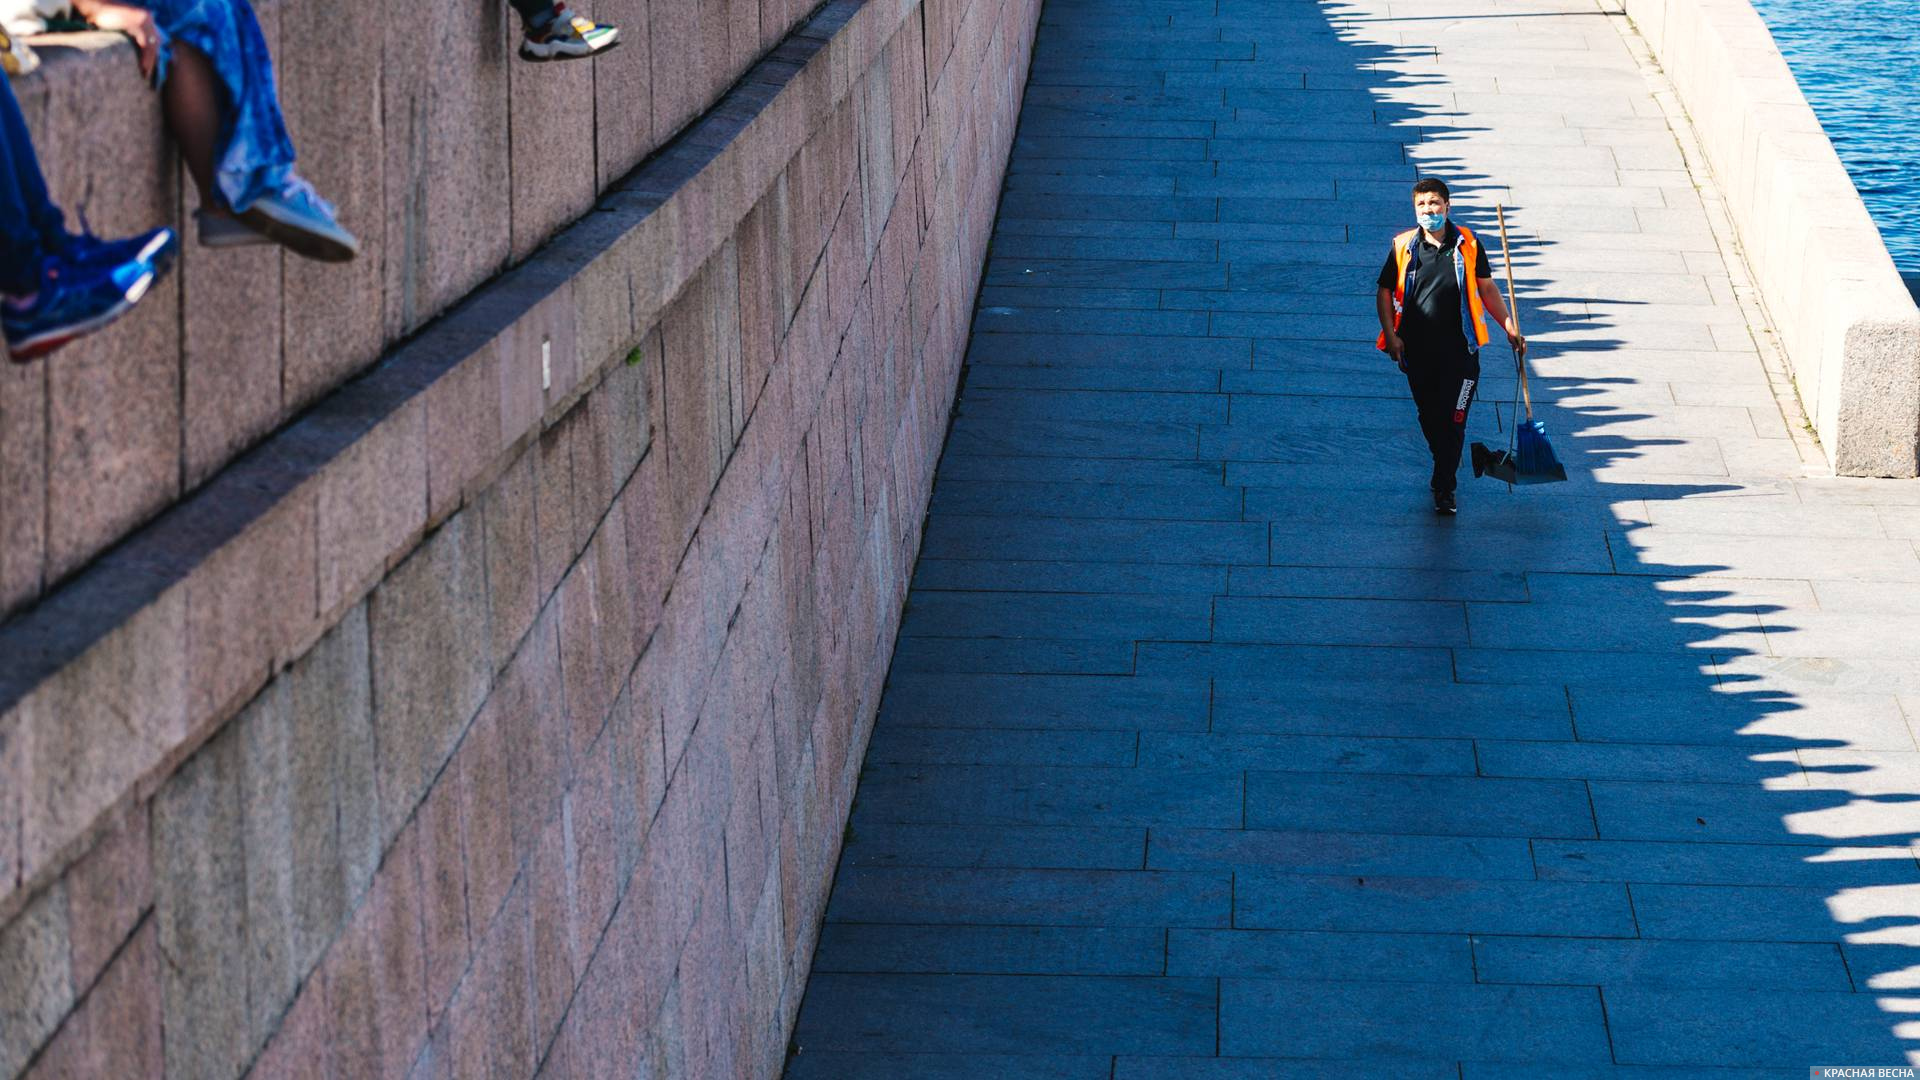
point(549, 31)
point(210, 62)
point(55, 286)
point(1435, 291)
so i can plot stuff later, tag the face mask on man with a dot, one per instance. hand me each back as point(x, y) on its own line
point(1432, 222)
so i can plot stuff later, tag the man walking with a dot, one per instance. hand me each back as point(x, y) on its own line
point(1435, 292)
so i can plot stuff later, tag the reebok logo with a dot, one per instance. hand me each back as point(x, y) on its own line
point(1460, 406)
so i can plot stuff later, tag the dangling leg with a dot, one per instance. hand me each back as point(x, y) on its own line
point(195, 101)
point(223, 107)
point(26, 213)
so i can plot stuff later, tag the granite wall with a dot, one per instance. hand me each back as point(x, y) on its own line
point(499, 715)
point(447, 157)
point(1847, 322)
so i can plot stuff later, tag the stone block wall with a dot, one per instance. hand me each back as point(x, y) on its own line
point(447, 157)
point(1847, 322)
point(500, 715)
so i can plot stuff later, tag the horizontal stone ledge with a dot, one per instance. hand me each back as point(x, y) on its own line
point(414, 151)
point(115, 677)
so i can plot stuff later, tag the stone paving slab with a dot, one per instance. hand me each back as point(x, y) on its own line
point(1267, 900)
point(1017, 575)
point(1422, 958)
point(993, 950)
point(1136, 502)
point(1253, 702)
point(1208, 752)
point(1546, 1024)
point(1305, 753)
point(843, 1065)
point(1268, 1068)
point(1766, 912)
point(976, 615)
point(1145, 541)
point(1025, 846)
point(1326, 853)
point(1383, 584)
point(987, 746)
point(1507, 1070)
point(1051, 795)
point(1692, 862)
point(1681, 964)
point(957, 699)
point(1023, 656)
point(1652, 1026)
point(1033, 897)
point(1010, 1014)
point(1758, 721)
point(1461, 806)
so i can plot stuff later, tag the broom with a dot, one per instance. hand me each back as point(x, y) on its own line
point(1529, 458)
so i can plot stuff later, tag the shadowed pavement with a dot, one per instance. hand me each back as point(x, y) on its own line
point(1208, 751)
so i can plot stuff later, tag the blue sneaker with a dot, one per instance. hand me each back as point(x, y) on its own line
point(156, 248)
point(74, 300)
point(297, 218)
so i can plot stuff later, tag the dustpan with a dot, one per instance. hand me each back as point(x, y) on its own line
point(1529, 457)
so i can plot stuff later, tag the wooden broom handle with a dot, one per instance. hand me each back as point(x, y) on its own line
point(1506, 263)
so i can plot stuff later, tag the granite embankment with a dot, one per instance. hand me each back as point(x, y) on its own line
point(493, 709)
point(1845, 318)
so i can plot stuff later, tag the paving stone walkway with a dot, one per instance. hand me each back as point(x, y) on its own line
point(1209, 752)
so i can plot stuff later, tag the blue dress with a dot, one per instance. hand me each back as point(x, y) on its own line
point(256, 154)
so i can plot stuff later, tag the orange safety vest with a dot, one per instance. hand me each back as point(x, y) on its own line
point(1466, 260)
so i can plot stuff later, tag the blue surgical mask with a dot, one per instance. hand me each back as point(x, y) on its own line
point(1432, 222)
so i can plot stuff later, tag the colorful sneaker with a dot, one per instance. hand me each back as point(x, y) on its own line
point(74, 300)
point(297, 218)
point(562, 35)
point(601, 37)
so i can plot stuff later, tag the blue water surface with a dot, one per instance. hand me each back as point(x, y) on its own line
point(1858, 62)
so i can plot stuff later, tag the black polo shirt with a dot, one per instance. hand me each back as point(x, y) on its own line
point(1430, 320)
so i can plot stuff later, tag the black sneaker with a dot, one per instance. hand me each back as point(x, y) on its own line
point(1443, 503)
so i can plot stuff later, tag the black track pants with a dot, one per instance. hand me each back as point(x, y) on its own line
point(532, 11)
point(1443, 395)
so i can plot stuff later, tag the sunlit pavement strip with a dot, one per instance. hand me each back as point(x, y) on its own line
point(1209, 752)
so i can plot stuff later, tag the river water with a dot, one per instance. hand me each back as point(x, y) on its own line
point(1858, 62)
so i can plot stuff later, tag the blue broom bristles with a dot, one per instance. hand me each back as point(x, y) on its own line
point(1533, 454)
